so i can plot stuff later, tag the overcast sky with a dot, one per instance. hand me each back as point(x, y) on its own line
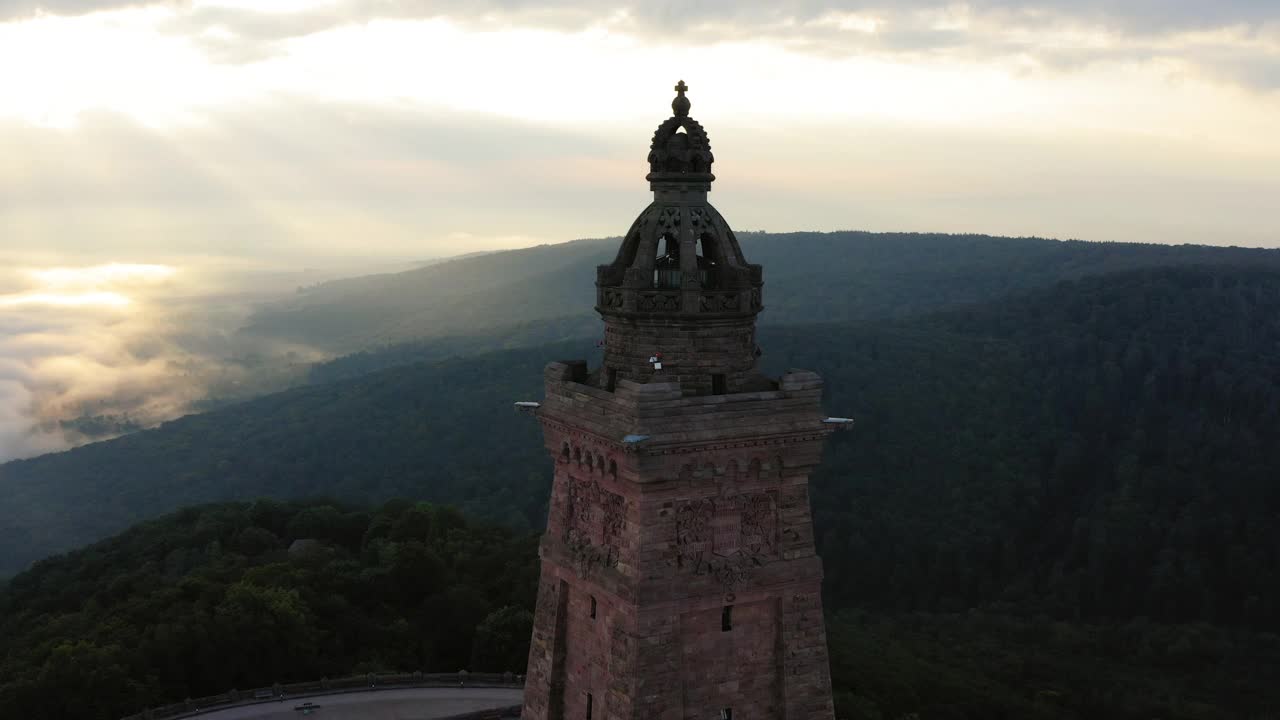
point(288, 131)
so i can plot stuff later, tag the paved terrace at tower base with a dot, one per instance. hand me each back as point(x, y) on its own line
point(398, 704)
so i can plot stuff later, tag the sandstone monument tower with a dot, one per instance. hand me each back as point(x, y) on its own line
point(679, 577)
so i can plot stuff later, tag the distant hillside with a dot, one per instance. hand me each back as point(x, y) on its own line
point(442, 432)
point(1106, 447)
point(1058, 505)
point(467, 296)
point(842, 277)
point(504, 337)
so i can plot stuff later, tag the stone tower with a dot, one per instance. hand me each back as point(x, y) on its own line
point(679, 577)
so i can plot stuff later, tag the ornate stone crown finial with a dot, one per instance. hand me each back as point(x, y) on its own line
point(680, 151)
point(680, 106)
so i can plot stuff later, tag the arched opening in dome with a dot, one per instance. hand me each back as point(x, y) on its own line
point(708, 262)
point(666, 266)
point(666, 269)
point(678, 152)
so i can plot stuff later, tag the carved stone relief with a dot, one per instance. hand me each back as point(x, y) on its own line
point(726, 536)
point(669, 220)
point(611, 298)
point(596, 519)
point(652, 302)
point(718, 302)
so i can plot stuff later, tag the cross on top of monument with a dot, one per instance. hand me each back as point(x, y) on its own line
point(680, 106)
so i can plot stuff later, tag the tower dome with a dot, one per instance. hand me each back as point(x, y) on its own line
point(680, 280)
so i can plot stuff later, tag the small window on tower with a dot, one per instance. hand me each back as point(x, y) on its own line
point(589, 703)
point(718, 386)
point(612, 381)
point(726, 714)
point(593, 607)
point(726, 618)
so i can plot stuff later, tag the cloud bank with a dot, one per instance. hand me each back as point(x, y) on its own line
point(73, 345)
point(91, 352)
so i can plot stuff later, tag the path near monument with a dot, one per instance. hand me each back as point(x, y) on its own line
point(400, 704)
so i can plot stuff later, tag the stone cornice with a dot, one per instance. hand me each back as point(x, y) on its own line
point(655, 446)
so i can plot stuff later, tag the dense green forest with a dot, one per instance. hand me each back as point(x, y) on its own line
point(840, 277)
point(986, 665)
point(213, 598)
point(1108, 448)
point(1058, 504)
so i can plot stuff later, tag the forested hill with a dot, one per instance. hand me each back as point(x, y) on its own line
point(1062, 505)
point(443, 431)
point(1103, 448)
point(841, 277)
point(217, 597)
point(1109, 448)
